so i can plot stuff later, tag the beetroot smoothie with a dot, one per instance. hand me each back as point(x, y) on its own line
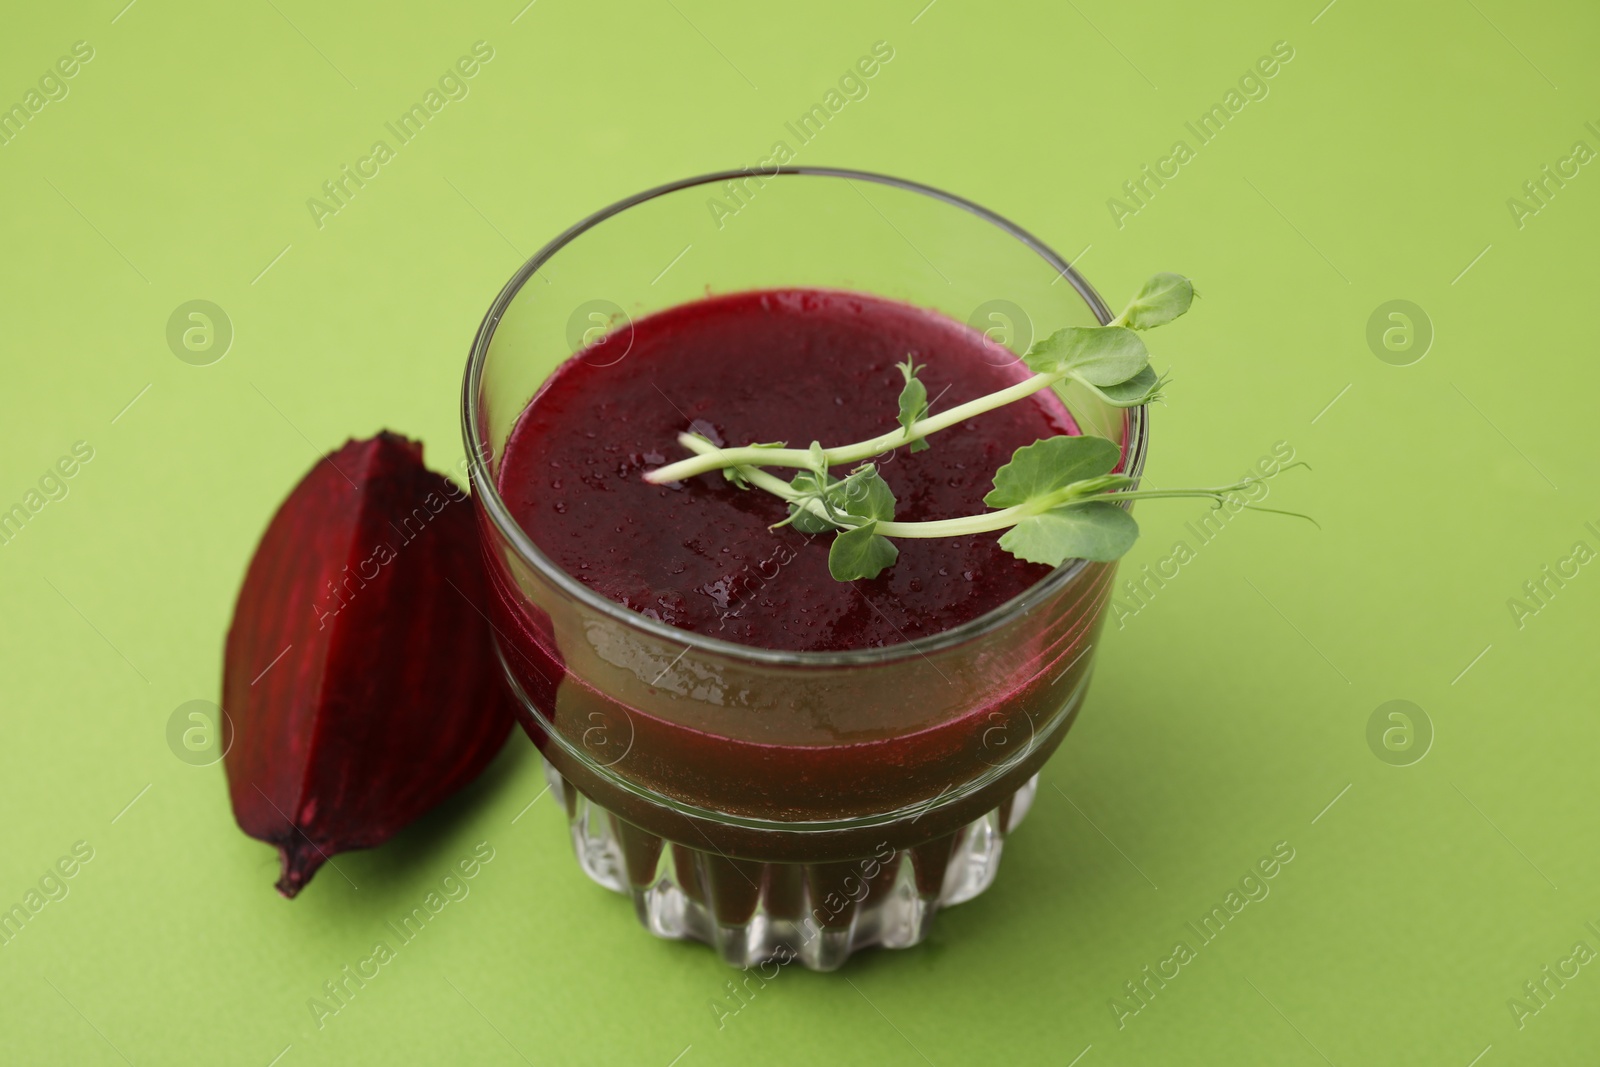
point(769, 366)
point(763, 758)
point(699, 556)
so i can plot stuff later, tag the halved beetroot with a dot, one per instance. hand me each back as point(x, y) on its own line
point(359, 680)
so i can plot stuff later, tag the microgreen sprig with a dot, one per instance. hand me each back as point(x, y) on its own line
point(1111, 361)
point(1056, 499)
point(913, 402)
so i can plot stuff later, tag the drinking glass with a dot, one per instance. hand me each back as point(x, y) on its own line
point(782, 805)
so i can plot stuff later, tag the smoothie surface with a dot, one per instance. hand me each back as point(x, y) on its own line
point(772, 365)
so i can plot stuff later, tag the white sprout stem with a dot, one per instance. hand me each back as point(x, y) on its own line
point(988, 522)
point(713, 458)
point(970, 524)
point(1005, 518)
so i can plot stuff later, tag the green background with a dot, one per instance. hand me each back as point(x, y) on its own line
point(1226, 715)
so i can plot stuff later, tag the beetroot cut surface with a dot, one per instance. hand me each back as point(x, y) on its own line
point(359, 680)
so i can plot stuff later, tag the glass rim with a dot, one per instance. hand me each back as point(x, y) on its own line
point(488, 494)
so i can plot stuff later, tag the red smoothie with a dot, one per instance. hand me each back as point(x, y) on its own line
point(780, 365)
point(969, 723)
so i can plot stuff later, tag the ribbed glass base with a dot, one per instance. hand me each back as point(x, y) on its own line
point(817, 913)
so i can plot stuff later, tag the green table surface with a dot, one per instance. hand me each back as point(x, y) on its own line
point(1230, 710)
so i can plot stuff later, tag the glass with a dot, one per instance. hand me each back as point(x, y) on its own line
point(782, 805)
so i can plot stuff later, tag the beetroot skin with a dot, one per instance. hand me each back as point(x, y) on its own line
point(359, 679)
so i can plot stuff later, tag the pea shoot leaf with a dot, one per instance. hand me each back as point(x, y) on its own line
point(803, 518)
point(862, 497)
point(1142, 388)
point(1098, 355)
point(913, 401)
point(1094, 530)
point(860, 553)
point(1046, 466)
point(1164, 297)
